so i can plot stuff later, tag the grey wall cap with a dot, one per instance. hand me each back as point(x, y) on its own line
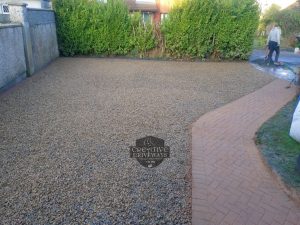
point(10, 25)
point(17, 4)
point(38, 9)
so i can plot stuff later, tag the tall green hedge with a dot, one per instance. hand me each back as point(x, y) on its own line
point(142, 36)
point(211, 28)
point(194, 29)
point(91, 27)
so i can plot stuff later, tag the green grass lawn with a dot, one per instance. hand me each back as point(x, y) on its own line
point(278, 148)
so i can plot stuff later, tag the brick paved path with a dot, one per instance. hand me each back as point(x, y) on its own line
point(231, 185)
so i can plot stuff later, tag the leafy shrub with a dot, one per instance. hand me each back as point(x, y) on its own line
point(91, 27)
point(289, 21)
point(259, 42)
point(206, 28)
point(292, 41)
point(270, 15)
point(143, 38)
point(194, 28)
point(72, 21)
point(236, 28)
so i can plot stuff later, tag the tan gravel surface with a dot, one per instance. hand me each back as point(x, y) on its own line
point(65, 135)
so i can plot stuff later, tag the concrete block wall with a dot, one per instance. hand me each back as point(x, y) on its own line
point(43, 37)
point(27, 44)
point(12, 57)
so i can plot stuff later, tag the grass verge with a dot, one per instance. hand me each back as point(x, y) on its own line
point(278, 148)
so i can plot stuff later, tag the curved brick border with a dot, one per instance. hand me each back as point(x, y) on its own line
point(230, 183)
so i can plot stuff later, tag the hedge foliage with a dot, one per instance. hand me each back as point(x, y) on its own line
point(143, 38)
point(212, 28)
point(194, 29)
point(87, 27)
point(288, 19)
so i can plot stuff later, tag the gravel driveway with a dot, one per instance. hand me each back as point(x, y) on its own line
point(65, 135)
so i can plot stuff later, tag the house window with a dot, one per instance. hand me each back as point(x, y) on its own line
point(147, 17)
point(163, 16)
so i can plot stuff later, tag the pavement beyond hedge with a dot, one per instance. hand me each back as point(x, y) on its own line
point(287, 71)
point(231, 184)
point(65, 135)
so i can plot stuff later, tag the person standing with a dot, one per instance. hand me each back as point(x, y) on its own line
point(273, 43)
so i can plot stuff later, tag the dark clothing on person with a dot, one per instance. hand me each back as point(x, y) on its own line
point(273, 43)
point(273, 46)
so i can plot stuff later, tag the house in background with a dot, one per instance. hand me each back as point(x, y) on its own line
point(152, 10)
point(36, 4)
point(164, 7)
point(147, 8)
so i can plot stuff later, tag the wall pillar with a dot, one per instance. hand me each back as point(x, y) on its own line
point(18, 14)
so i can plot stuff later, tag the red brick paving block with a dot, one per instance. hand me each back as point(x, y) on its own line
point(230, 217)
point(290, 223)
point(230, 182)
point(218, 218)
point(293, 218)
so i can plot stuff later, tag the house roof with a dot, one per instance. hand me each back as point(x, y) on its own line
point(141, 6)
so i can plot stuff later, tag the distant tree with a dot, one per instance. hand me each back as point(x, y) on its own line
point(288, 19)
point(270, 15)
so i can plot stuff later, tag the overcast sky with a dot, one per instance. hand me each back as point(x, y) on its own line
point(283, 3)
